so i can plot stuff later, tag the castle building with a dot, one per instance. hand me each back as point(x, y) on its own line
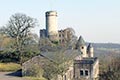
point(86, 68)
point(83, 64)
point(64, 35)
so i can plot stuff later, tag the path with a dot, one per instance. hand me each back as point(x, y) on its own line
point(10, 76)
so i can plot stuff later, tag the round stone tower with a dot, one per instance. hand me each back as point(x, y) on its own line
point(81, 46)
point(51, 25)
point(90, 50)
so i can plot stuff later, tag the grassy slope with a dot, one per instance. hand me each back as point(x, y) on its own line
point(33, 78)
point(4, 67)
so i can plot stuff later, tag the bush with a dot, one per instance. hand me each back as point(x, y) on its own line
point(113, 70)
point(9, 56)
point(14, 56)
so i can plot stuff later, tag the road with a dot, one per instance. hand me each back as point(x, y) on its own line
point(10, 76)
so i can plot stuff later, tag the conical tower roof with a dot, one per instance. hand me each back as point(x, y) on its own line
point(80, 42)
point(89, 46)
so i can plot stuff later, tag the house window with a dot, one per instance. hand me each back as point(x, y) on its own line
point(81, 73)
point(86, 72)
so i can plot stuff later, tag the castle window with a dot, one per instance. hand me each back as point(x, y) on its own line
point(62, 35)
point(81, 73)
point(81, 52)
point(86, 72)
point(65, 78)
point(59, 40)
point(59, 35)
point(82, 47)
point(63, 40)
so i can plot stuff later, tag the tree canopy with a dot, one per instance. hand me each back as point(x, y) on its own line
point(19, 29)
point(18, 33)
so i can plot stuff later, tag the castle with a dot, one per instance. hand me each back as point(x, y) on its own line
point(84, 66)
point(51, 30)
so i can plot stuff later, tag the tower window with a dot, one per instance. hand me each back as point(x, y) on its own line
point(81, 52)
point(81, 73)
point(86, 72)
point(82, 47)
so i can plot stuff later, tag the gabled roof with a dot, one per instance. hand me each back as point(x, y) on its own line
point(61, 56)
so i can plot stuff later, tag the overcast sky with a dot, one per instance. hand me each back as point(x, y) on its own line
point(95, 20)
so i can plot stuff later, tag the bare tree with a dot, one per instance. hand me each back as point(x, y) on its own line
point(71, 38)
point(113, 70)
point(19, 29)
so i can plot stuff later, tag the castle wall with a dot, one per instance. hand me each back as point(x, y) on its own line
point(96, 70)
point(78, 67)
point(43, 33)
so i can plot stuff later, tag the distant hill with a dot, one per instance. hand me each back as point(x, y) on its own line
point(107, 45)
point(106, 51)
